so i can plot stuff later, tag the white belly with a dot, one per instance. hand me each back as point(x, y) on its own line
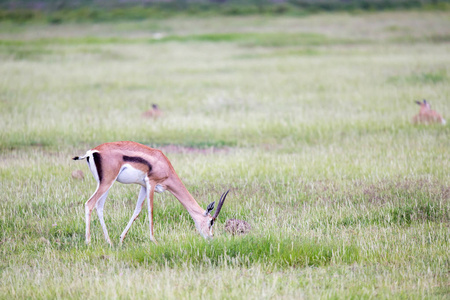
point(128, 174)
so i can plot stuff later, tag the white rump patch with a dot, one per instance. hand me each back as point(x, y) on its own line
point(91, 163)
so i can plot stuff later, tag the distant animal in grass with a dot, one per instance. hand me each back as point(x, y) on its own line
point(235, 226)
point(78, 174)
point(426, 115)
point(154, 112)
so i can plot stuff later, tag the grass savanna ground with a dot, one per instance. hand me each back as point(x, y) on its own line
point(306, 120)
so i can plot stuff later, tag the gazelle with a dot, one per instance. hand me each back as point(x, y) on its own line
point(426, 115)
point(130, 162)
point(154, 112)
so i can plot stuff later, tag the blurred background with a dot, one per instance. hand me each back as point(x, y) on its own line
point(56, 11)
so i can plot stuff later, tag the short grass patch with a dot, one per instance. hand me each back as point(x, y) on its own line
point(245, 251)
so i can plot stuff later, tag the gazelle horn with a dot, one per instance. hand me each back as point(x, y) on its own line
point(219, 206)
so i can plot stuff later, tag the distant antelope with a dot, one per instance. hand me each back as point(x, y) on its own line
point(154, 112)
point(130, 162)
point(426, 115)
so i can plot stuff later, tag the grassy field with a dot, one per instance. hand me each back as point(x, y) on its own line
point(307, 121)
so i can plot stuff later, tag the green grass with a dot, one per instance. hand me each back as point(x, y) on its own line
point(307, 121)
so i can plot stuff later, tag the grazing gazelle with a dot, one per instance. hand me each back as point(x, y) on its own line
point(426, 115)
point(130, 162)
point(154, 112)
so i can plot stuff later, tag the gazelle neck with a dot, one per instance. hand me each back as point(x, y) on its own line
point(186, 199)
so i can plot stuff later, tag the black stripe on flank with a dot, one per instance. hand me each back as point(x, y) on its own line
point(139, 160)
point(98, 165)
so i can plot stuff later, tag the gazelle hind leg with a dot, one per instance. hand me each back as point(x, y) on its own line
point(99, 207)
point(101, 192)
point(150, 193)
point(137, 210)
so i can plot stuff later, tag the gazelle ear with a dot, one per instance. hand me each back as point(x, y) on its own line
point(210, 208)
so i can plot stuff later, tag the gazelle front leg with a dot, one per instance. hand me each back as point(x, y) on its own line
point(137, 210)
point(150, 193)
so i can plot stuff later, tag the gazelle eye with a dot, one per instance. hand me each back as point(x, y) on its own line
point(211, 222)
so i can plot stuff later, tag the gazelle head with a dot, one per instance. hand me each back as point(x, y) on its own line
point(424, 105)
point(206, 228)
